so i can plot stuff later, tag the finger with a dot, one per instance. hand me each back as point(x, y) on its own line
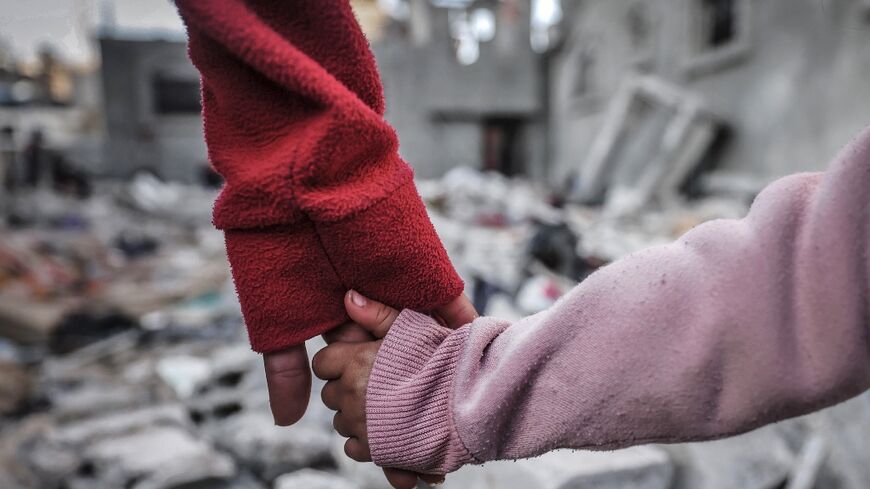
point(357, 450)
point(331, 395)
point(288, 379)
point(375, 317)
point(328, 363)
point(348, 333)
point(458, 312)
point(401, 479)
point(342, 426)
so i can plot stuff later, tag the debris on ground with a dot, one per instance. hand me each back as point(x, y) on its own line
point(124, 362)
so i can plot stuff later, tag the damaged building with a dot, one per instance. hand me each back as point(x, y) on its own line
point(732, 85)
point(152, 109)
point(465, 88)
point(643, 96)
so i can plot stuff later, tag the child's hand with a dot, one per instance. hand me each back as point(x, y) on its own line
point(346, 367)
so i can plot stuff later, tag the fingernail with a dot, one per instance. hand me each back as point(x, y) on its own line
point(357, 299)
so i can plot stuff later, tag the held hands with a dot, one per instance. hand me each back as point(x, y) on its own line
point(346, 364)
point(289, 378)
point(346, 368)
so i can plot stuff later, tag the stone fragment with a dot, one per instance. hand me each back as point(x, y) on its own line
point(270, 450)
point(760, 459)
point(366, 476)
point(93, 398)
point(156, 458)
point(313, 479)
point(97, 428)
point(15, 387)
point(644, 467)
point(845, 428)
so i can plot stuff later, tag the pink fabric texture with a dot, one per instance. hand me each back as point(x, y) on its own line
point(737, 324)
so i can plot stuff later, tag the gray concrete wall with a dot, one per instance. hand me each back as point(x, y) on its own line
point(438, 106)
point(137, 135)
point(796, 94)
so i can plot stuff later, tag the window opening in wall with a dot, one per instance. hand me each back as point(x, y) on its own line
point(718, 22)
point(584, 75)
point(503, 146)
point(639, 25)
point(719, 34)
point(175, 95)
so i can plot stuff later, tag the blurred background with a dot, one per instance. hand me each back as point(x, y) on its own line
point(549, 138)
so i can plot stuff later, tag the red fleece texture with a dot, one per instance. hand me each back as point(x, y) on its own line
point(317, 200)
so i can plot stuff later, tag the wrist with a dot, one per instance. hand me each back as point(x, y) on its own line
point(408, 401)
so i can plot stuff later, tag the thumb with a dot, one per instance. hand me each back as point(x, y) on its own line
point(457, 313)
point(373, 316)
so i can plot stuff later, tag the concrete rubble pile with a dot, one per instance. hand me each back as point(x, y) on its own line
point(520, 246)
point(123, 361)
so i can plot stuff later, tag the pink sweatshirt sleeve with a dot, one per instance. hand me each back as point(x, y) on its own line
point(737, 324)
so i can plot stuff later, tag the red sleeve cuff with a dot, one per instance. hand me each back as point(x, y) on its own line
point(391, 253)
point(291, 280)
point(287, 289)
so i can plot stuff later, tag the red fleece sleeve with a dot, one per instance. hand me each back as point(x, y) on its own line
point(317, 199)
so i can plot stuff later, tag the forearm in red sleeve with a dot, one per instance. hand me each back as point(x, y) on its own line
point(316, 199)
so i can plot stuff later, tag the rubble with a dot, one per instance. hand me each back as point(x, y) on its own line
point(158, 458)
point(515, 239)
point(366, 476)
point(636, 468)
point(15, 386)
point(757, 460)
point(123, 361)
point(313, 479)
point(270, 450)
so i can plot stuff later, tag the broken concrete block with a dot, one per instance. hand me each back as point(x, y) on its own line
point(97, 428)
point(156, 458)
point(366, 476)
point(757, 460)
point(30, 322)
point(95, 398)
point(845, 429)
point(635, 468)
point(312, 479)
point(15, 387)
point(223, 383)
point(51, 463)
point(269, 450)
point(183, 373)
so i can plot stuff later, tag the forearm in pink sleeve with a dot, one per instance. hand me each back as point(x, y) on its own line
point(735, 325)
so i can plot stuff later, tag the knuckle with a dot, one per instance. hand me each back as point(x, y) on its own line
point(277, 367)
point(383, 315)
point(327, 395)
point(316, 361)
point(349, 449)
point(353, 450)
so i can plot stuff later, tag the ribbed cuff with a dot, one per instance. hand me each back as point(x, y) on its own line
point(408, 402)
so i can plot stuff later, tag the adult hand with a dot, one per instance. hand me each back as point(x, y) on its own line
point(288, 375)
